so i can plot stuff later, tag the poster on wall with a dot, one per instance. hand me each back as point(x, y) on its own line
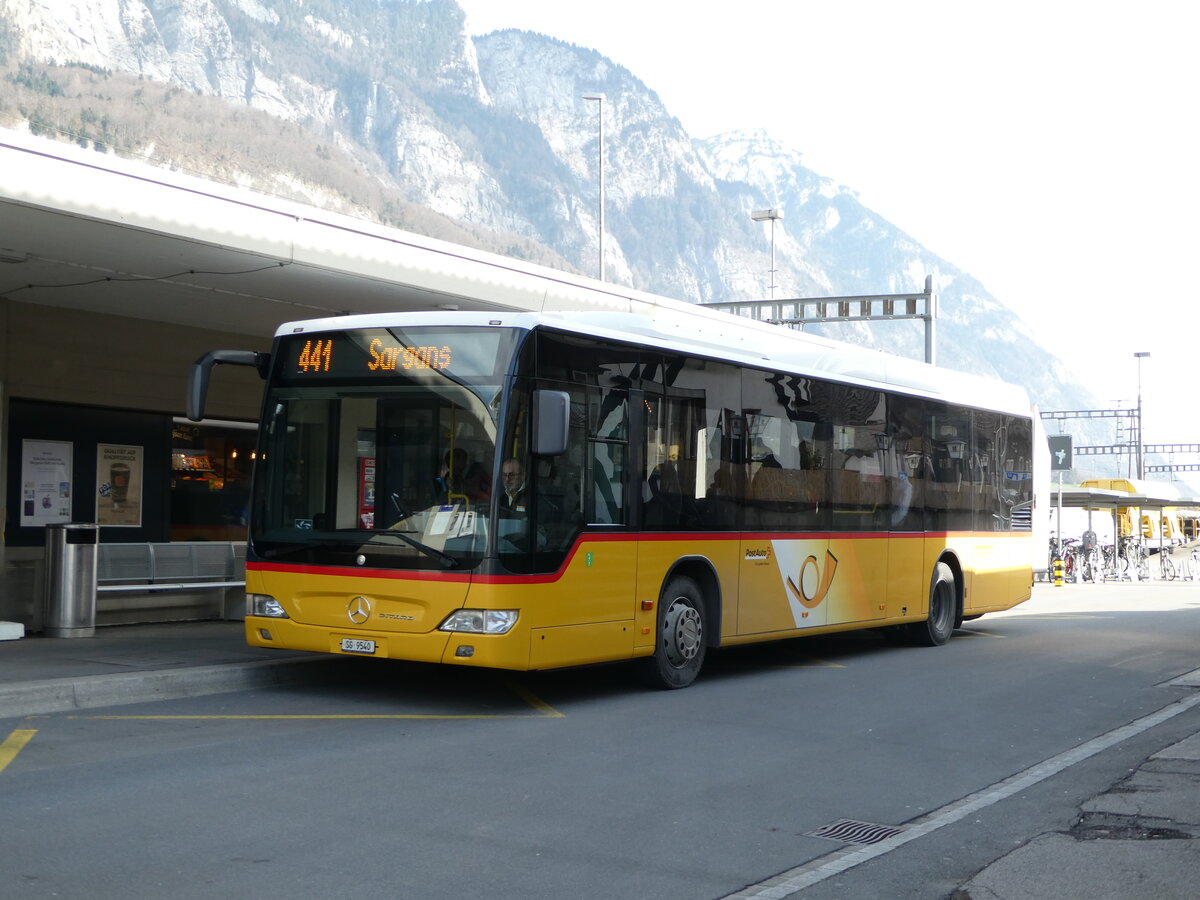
point(45, 483)
point(118, 485)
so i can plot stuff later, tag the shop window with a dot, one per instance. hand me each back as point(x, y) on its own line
point(210, 480)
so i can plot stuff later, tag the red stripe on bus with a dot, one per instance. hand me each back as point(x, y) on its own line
point(623, 537)
point(346, 571)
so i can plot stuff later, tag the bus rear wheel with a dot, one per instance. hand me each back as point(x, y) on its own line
point(680, 650)
point(943, 610)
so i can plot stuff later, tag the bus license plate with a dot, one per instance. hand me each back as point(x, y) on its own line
point(355, 645)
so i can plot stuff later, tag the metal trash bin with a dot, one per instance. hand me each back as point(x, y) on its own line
point(70, 580)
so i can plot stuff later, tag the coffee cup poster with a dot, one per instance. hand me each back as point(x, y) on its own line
point(118, 485)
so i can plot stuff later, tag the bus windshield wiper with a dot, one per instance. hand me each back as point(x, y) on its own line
point(447, 561)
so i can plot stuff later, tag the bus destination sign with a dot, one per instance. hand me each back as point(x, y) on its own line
point(340, 355)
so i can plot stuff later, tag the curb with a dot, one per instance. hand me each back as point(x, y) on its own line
point(57, 695)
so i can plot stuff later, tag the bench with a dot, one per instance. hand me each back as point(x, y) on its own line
point(184, 566)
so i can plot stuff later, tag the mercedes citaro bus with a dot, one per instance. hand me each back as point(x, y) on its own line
point(527, 490)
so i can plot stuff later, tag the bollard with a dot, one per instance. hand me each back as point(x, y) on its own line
point(1058, 576)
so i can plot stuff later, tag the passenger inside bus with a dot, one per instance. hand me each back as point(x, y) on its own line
point(461, 477)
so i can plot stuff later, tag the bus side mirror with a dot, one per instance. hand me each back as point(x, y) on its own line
point(197, 389)
point(551, 422)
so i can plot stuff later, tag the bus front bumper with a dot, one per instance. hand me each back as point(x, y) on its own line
point(500, 651)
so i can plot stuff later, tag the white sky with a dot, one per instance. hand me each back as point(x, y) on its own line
point(1047, 147)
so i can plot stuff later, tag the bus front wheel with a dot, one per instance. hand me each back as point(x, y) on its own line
point(679, 653)
point(943, 610)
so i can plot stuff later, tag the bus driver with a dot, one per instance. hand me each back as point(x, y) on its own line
point(512, 477)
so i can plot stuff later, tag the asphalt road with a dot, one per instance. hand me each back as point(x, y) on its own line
point(396, 780)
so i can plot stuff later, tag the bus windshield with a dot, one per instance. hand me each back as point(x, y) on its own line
point(378, 447)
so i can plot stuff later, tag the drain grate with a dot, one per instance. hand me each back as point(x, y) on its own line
point(851, 831)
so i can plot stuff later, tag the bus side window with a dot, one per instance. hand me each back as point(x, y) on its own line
point(907, 468)
point(607, 453)
point(948, 496)
point(694, 464)
point(675, 452)
point(606, 466)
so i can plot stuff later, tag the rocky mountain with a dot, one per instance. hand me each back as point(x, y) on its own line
point(388, 109)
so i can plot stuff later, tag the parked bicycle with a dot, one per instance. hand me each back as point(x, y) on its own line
point(1069, 551)
point(1136, 559)
point(1191, 565)
point(1166, 566)
point(1112, 566)
point(1079, 563)
point(1089, 565)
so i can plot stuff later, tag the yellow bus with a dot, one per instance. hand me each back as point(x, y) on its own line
point(537, 490)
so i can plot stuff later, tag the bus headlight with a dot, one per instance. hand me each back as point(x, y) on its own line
point(480, 621)
point(264, 605)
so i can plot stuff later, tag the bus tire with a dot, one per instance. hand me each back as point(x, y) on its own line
point(943, 610)
point(682, 625)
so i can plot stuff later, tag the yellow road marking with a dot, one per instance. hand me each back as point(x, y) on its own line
point(967, 632)
point(536, 702)
point(14, 744)
point(815, 662)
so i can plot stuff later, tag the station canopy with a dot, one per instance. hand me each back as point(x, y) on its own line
point(1118, 493)
point(91, 231)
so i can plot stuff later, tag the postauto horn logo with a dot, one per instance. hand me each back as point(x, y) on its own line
point(814, 583)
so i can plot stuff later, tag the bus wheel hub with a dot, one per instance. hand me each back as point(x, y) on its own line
point(681, 632)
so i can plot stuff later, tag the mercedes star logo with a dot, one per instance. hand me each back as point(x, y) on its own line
point(359, 610)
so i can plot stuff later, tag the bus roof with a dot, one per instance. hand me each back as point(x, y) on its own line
point(696, 331)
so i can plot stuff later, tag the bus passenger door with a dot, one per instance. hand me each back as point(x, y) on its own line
point(585, 612)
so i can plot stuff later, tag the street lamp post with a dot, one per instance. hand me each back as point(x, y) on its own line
point(771, 215)
point(1139, 357)
point(599, 98)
